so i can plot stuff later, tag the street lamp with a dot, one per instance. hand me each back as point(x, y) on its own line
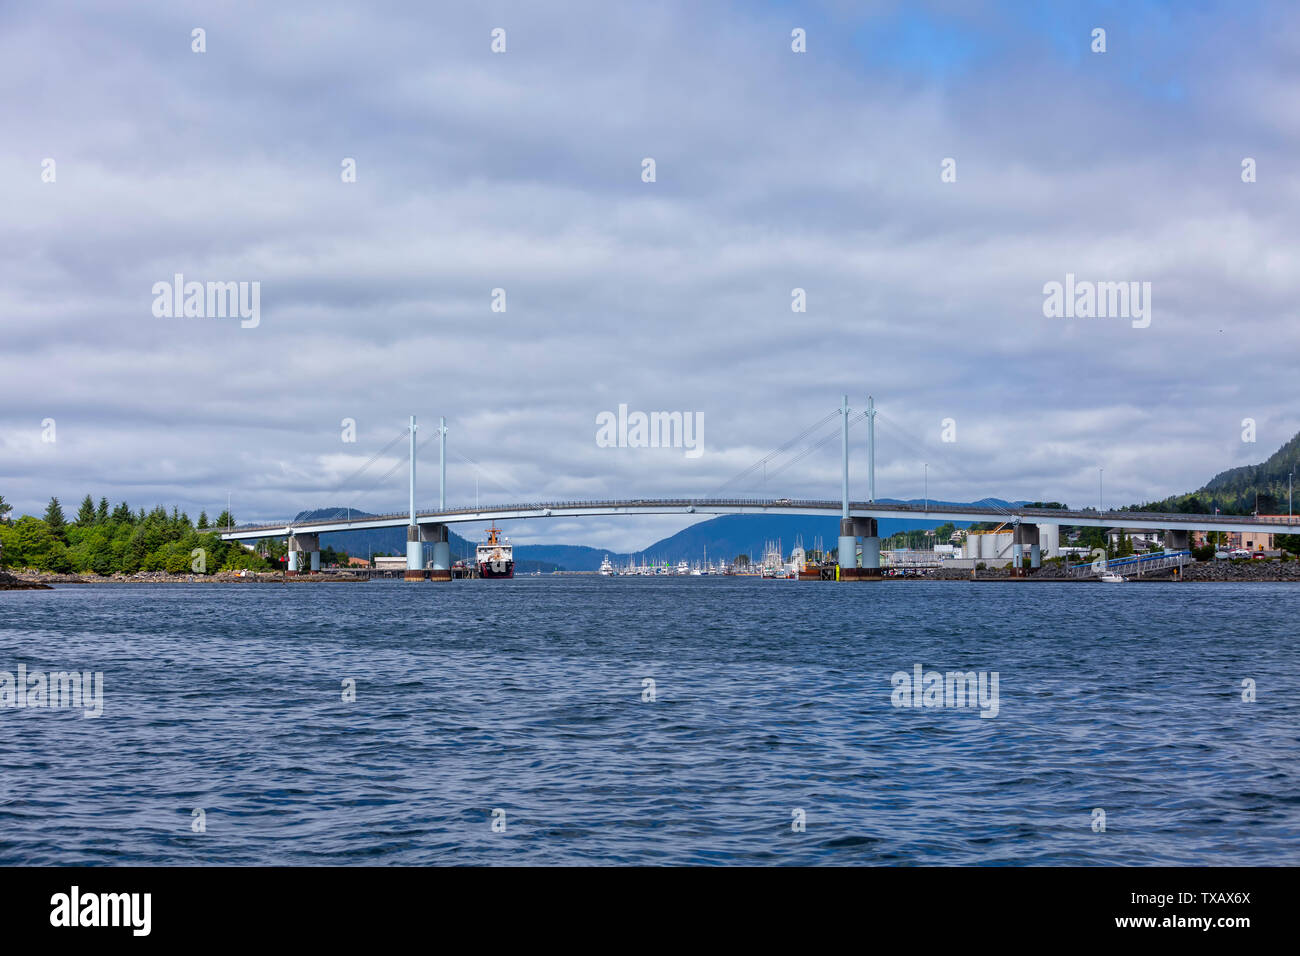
point(1100, 496)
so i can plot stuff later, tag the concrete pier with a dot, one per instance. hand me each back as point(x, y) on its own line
point(440, 566)
point(868, 530)
point(1177, 540)
point(303, 542)
point(847, 556)
point(1026, 534)
point(414, 555)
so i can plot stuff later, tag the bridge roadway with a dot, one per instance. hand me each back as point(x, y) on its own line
point(1136, 520)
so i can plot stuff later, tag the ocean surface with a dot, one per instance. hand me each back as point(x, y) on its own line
point(524, 703)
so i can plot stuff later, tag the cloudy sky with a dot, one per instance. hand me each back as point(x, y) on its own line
point(523, 171)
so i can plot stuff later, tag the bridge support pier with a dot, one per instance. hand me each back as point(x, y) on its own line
point(1049, 537)
point(299, 543)
point(1025, 534)
point(847, 555)
point(1177, 540)
point(414, 554)
point(436, 534)
point(869, 532)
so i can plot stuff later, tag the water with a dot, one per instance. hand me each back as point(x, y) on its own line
point(526, 696)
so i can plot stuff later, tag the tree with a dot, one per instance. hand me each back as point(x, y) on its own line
point(5, 508)
point(122, 514)
point(101, 513)
point(86, 513)
point(1288, 542)
point(54, 519)
point(225, 520)
point(203, 520)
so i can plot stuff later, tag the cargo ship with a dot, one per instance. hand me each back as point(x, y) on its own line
point(496, 559)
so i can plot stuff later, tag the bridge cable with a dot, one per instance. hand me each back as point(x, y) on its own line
point(853, 420)
point(816, 426)
point(897, 433)
point(477, 467)
point(346, 482)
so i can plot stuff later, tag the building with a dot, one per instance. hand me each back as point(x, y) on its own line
point(1256, 540)
point(1139, 539)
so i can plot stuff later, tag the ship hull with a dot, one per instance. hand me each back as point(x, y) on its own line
point(496, 569)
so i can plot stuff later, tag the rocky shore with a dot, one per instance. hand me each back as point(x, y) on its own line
point(1271, 571)
point(42, 579)
point(10, 583)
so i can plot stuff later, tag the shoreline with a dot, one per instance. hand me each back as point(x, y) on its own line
point(35, 580)
point(1255, 572)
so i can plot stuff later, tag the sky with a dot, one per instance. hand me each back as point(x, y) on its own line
point(524, 171)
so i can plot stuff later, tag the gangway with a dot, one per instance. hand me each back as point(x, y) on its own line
point(1136, 565)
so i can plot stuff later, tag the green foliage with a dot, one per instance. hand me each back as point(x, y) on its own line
point(54, 520)
point(1240, 490)
point(104, 542)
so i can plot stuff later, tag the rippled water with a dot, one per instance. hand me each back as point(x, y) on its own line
point(526, 696)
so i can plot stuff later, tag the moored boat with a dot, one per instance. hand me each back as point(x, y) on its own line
point(496, 558)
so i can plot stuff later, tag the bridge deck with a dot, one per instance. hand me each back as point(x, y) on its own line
point(1136, 520)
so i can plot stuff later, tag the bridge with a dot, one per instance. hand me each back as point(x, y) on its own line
point(858, 519)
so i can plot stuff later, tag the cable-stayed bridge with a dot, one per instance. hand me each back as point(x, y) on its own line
point(858, 519)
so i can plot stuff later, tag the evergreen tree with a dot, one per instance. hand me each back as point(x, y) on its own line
point(54, 519)
point(5, 508)
point(86, 513)
point(101, 513)
point(203, 520)
point(224, 520)
point(122, 513)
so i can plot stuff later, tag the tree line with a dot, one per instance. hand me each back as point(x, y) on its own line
point(118, 540)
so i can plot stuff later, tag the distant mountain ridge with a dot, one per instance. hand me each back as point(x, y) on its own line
point(722, 538)
point(1240, 490)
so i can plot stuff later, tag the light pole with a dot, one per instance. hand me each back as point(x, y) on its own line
point(1100, 496)
point(1289, 479)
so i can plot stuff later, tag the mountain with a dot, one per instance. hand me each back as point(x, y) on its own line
point(1240, 490)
